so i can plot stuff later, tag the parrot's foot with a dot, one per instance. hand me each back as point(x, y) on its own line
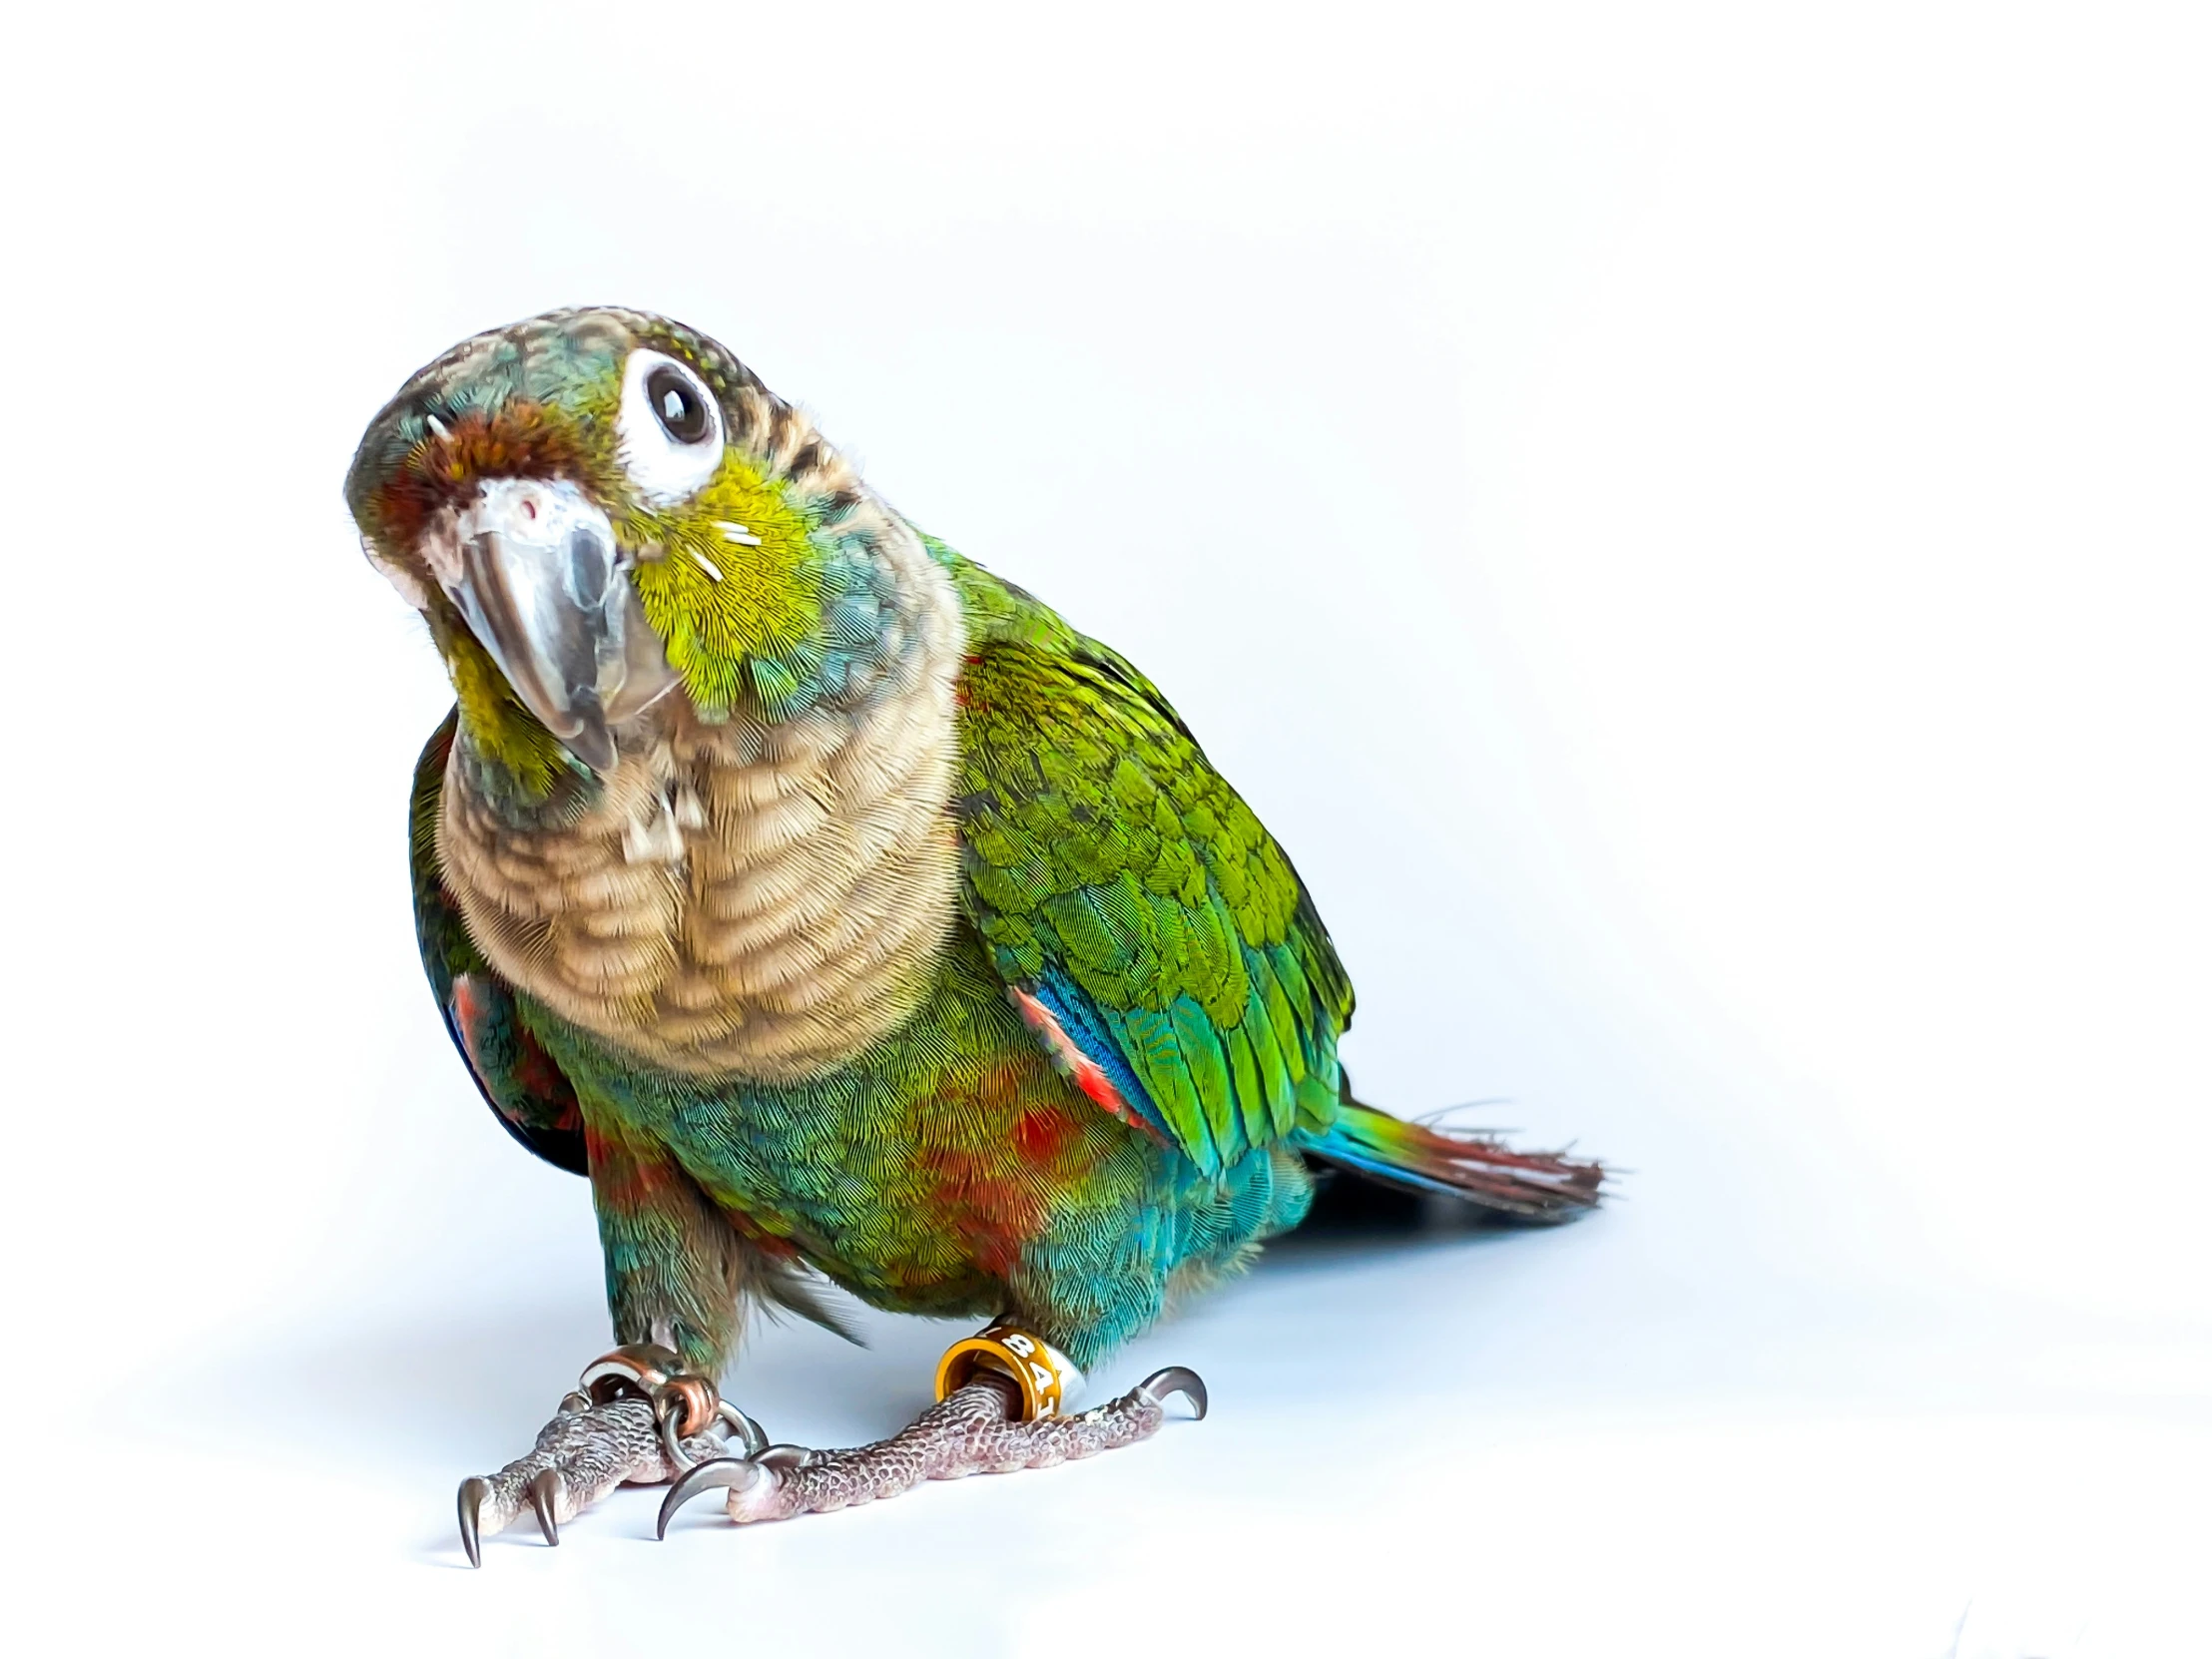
point(635, 1417)
point(976, 1428)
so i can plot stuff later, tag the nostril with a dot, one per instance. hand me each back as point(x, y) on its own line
point(529, 508)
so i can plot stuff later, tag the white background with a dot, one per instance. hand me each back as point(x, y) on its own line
point(1691, 524)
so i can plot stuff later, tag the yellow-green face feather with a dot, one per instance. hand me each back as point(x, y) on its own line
point(721, 603)
point(504, 731)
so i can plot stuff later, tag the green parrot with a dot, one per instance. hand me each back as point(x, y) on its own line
point(840, 911)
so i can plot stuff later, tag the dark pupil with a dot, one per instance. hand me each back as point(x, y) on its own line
point(681, 413)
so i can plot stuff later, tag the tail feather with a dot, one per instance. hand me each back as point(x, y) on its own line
point(1464, 1164)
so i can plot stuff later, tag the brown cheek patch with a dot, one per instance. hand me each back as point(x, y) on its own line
point(520, 439)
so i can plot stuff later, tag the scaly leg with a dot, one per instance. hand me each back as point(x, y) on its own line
point(976, 1428)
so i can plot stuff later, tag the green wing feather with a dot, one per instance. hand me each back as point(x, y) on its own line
point(1114, 874)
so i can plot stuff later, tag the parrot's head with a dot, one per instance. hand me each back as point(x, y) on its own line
point(596, 509)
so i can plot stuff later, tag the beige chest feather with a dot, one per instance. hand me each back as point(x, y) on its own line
point(758, 902)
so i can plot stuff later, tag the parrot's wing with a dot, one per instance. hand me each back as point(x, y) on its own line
point(1144, 921)
point(529, 1095)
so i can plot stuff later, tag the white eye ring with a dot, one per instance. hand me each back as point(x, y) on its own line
point(669, 428)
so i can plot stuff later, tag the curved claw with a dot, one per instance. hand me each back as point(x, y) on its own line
point(471, 1503)
point(545, 1492)
point(1175, 1380)
point(734, 1472)
point(781, 1457)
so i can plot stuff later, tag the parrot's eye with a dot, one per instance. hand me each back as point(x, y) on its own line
point(670, 427)
point(681, 413)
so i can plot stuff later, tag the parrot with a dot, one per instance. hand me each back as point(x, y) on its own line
point(845, 917)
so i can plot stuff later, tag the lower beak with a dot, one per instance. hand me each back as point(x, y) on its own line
point(533, 567)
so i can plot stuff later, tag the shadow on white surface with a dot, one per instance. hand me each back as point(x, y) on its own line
point(1506, 1432)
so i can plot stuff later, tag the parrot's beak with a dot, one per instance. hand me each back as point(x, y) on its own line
point(532, 565)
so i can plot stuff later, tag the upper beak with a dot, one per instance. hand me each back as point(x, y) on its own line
point(532, 565)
